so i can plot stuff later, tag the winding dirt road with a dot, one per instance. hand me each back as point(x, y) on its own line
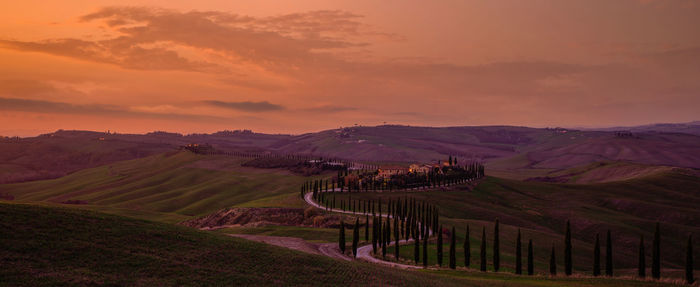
point(364, 252)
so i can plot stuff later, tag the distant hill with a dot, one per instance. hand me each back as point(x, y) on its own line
point(686, 128)
point(63, 152)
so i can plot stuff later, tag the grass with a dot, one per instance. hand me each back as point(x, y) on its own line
point(312, 234)
point(540, 210)
point(58, 246)
point(168, 186)
point(50, 246)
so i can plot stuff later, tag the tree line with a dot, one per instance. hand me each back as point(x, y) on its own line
point(381, 236)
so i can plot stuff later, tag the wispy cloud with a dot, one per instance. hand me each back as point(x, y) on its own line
point(51, 107)
point(329, 109)
point(247, 106)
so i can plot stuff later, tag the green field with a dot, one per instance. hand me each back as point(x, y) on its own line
point(540, 210)
point(50, 246)
point(174, 187)
point(168, 187)
point(311, 234)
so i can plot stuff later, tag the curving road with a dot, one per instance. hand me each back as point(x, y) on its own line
point(364, 252)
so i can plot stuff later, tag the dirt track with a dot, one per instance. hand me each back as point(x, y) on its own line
point(365, 252)
point(327, 249)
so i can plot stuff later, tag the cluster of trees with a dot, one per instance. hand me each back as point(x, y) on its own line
point(368, 180)
point(363, 180)
point(413, 225)
point(402, 219)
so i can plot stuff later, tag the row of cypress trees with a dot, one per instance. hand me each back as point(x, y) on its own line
point(568, 253)
point(568, 258)
point(413, 224)
point(411, 219)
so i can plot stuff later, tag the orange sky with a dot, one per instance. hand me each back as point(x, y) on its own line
point(300, 66)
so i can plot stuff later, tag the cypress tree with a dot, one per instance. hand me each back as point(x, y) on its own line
point(641, 265)
point(453, 252)
point(496, 249)
point(416, 250)
point(355, 237)
point(689, 261)
point(467, 251)
point(380, 231)
point(552, 262)
point(656, 254)
point(518, 255)
point(596, 256)
point(439, 247)
point(483, 250)
point(530, 259)
point(341, 240)
point(425, 252)
point(608, 256)
point(568, 264)
point(388, 230)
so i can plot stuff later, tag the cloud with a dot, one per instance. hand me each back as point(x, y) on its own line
point(247, 106)
point(51, 107)
point(25, 87)
point(154, 39)
point(329, 109)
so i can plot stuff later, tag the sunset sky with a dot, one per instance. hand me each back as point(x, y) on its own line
point(301, 66)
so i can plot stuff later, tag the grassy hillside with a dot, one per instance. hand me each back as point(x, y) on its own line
point(506, 148)
point(628, 208)
point(172, 186)
point(48, 246)
point(63, 152)
point(59, 246)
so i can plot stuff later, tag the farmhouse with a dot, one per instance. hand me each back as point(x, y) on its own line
point(389, 170)
point(420, 168)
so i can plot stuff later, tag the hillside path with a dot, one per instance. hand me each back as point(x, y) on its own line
point(365, 252)
point(327, 249)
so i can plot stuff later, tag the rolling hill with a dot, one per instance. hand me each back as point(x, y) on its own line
point(50, 246)
point(170, 187)
point(628, 208)
point(517, 152)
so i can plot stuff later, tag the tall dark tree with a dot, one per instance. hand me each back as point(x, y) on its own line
point(453, 247)
point(355, 237)
point(552, 262)
point(568, 264)
point(608, 256)
point(439, 247)
point(483, 250)
point(467, 247)
point(641, 265)
point(518, 255)
point(656, 254)
point(496, 249)
point(530, 259)
point(416, 250)
point(341, 240)
point(425, 252)
point(689, 261)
